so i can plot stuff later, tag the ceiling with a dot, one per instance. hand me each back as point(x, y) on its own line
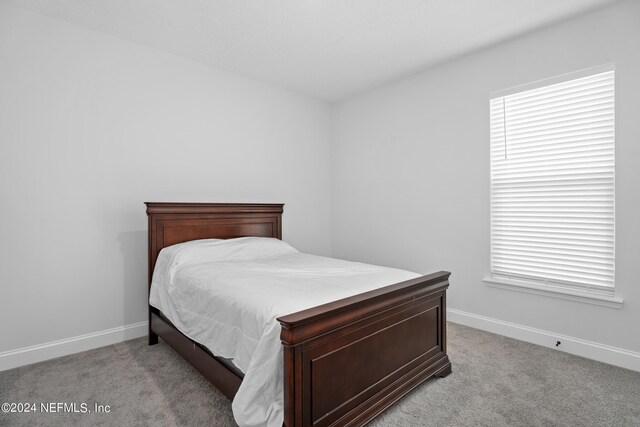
point(328, 49)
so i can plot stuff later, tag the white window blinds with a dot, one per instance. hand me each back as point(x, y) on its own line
point(552, 184)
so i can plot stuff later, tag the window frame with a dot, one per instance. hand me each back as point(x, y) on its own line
point(574, 292)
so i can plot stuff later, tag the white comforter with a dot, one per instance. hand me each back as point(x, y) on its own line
point(227, 294)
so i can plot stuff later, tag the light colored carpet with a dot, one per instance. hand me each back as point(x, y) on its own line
point(496, 381)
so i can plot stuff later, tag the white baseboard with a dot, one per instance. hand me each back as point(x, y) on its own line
point(591, 350)
point(51, 350)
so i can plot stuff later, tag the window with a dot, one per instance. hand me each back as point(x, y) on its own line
point(552, 184)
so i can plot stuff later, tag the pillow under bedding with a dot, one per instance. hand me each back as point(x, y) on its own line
point(207, 250)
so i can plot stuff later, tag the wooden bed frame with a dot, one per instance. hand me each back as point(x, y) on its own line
point(344, 362)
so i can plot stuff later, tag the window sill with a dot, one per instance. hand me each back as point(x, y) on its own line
point(555, 292)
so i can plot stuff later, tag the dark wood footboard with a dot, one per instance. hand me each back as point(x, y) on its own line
point(347, 361)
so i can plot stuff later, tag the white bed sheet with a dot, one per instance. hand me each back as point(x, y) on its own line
point(227, 294)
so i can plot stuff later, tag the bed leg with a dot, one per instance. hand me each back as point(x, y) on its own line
point(153, 337)
point(444, 372)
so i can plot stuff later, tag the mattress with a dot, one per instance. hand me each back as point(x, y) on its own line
point(227, 294)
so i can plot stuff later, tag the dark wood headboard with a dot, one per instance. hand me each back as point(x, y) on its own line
point(171, 223)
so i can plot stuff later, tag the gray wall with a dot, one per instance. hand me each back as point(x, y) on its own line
point(397, 176)
point(411, 172)
point(91, 127)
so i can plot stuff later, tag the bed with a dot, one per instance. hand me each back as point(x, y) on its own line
point(385, 341)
